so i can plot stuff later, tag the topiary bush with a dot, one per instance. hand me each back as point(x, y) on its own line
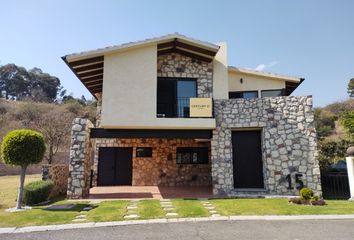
point(37, 192)
point(21, 148)
point(306, 193)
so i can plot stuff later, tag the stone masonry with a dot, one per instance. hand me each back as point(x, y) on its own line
point(288, 142)
point(160, 169)
point(58, 173)
point(175, 65)
point(80, 159)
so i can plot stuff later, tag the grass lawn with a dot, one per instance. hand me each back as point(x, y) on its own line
point(190, 208)
point(278, 206)
point(9, 189)
point(149, 209)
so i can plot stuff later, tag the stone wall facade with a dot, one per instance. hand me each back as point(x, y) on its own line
point(161, 169)
point(80, 159)
point(288, 142)
point(59, 174)
point(175, 65)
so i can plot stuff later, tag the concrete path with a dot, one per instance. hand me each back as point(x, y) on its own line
point(247, 229)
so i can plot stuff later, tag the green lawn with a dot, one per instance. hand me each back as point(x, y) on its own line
point(9, 187)
point(149, 209)
point(190, 208)
point(278, 206)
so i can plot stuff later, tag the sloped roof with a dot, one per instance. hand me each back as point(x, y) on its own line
point(291, 82)
point(88, 66)
point(264, 74)
point(156, 40)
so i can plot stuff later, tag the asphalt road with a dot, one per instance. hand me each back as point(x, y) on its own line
point(302, 229)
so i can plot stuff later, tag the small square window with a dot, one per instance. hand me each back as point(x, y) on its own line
point(143, 152)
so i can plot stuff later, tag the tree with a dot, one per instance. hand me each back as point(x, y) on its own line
point(22, 148)
point(32, 84)
point(53, 122)
point(351, 87)
point(324, 122)
point(347, 120)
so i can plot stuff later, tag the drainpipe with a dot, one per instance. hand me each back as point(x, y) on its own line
point(350, 168)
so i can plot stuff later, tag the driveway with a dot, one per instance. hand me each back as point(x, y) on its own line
point(299, 229)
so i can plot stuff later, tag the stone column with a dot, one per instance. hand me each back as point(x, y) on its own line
point(79, 165)
point(350, 168)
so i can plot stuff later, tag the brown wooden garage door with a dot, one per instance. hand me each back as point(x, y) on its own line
point(115, 166)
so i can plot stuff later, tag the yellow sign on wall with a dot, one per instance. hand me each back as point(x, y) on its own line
point(200, 107)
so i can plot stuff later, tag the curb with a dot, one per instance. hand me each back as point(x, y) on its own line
point(173, 220)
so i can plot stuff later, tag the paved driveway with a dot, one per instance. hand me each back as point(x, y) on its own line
point(299, 229)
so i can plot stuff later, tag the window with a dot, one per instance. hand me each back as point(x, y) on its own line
point(245, 94)
point(173, 96)
point(273, 93)
point(192, 155)
point(143, 152)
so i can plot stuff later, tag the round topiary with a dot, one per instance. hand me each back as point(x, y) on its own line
point(23, 147)
point(306, 193)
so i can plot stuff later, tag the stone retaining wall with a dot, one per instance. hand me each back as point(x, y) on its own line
point(58, 173)
point(161, 169)
point(288, 141)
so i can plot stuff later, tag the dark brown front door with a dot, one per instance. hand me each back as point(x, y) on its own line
point(115, 166)
point(247, 159)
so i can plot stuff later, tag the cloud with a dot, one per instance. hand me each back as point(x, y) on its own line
point(262, 67)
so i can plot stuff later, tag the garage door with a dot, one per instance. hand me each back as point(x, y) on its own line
point(115, 166)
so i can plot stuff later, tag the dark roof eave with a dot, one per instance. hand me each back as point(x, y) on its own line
point(67, 63)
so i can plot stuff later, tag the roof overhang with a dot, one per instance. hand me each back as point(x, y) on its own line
point(291, 82)
point(88, 66)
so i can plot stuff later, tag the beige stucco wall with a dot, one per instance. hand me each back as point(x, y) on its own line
point(129, 94)
point(252, 82)
point(220, 82)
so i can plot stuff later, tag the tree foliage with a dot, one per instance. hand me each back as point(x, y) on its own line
point(351, 87)
point(34, 84)
point(347, 120)
point(23, 147)
point(324, 122)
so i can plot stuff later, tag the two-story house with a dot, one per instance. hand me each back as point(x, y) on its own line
point(172, 112)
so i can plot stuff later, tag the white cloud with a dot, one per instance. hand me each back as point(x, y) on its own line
point(262, 67)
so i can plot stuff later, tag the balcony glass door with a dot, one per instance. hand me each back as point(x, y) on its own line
point(173, 96)
point(185, 90)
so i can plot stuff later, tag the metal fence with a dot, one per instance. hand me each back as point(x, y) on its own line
point(335, 185)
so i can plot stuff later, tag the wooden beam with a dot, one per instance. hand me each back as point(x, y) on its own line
point(185, 53)
point(165, 45)
point(92, 78)
point(195, 49)
point(92, 73)
point(93, 81)
point(89, 67)
point(86, 61)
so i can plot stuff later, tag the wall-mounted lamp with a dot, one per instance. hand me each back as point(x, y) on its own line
point(241, 80)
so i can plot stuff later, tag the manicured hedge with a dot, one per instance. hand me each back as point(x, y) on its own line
point(37, 192)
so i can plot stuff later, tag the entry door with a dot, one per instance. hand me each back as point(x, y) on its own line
point(247, 159)
point(114, 166)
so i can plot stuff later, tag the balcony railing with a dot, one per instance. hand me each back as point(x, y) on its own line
point(178, 109)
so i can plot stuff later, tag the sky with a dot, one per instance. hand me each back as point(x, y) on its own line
point(305, 38)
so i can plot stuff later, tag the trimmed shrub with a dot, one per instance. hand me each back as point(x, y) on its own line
point(306, 193)
point(37, 192)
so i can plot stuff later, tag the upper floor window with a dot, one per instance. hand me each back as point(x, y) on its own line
point(173, 96)
point(244, 94)
point(272, 93)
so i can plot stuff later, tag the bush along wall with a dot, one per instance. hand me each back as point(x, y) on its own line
point(37, 192)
